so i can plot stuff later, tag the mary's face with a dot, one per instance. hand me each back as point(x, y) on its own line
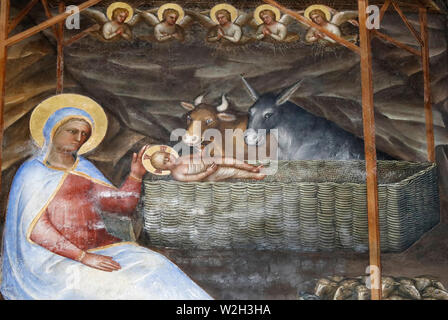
point(71, 136)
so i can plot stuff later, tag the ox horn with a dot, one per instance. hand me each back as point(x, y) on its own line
point(224, 105)
point(287, 93)
point(199, 100)
point(252, 93)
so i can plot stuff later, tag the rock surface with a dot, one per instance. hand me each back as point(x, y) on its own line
point(393, 288)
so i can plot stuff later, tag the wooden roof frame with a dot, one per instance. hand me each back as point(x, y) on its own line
point(364, 50)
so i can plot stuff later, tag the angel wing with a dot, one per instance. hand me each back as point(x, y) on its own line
point(343, 16)
point(286, 19)
point(147, 17)
point(246, 18)
point(203, 19)
point(135, 19)
point(187, 20)
point(95, 15)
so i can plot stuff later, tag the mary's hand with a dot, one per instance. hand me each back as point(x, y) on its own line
point(100, 262)
point(137, 168)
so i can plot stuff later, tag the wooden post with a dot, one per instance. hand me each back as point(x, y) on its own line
point(4, 18)
point(370, 149)
point(60, 62)
point(384, 9)
point(427, 85)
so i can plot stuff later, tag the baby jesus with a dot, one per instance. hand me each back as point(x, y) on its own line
point(163, 160)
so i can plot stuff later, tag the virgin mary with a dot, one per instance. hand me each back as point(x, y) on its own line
point(55, 243)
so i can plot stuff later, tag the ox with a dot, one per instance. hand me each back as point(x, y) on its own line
point(203, 117)
point(301, 135)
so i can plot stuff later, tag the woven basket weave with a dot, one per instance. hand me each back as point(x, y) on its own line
point(306, 205)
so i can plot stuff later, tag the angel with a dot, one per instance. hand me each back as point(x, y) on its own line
point(224, 24)
point(273, 26)
point(116, 25)
point(169, 24)
point(331, 20)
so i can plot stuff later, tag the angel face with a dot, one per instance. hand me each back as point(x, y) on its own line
point(267, 16)
point(171, 19)
point(223, 17)
point(170, 16)
point(318, 17)
point(120, 15)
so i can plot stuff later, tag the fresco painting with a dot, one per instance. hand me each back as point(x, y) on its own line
point(234, 131)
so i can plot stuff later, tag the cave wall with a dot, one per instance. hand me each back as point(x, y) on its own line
point(141, 83)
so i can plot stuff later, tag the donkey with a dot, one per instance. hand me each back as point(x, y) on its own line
point(301, 135)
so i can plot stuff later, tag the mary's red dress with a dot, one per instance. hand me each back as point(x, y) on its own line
point(72, 222)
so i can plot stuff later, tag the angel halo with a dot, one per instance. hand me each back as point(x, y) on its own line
point(172, 6)
point(224, 6)
point(120, 5)
point(264, 7)
point(320, 7)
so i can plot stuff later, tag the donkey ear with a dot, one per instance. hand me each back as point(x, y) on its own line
point(226, 117)
point(287, 93)
point(252, 93)
point(187, 106)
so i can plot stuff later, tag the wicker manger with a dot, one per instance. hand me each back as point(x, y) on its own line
point(306, 205)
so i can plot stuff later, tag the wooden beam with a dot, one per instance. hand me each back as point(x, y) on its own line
point(49, 16)
point(81, 35)
point(409, 5)
point(310, 23)
point(4, 18)
point(368, 116)
point(21, 15)
point(384, 9)
point(60, 61)
point(427, 85)
point(50, 22)
point(430, 4)
point(397, 43)
point(406, 22)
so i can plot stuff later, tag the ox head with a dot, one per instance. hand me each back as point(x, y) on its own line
point(202, 116)
point(266, 112)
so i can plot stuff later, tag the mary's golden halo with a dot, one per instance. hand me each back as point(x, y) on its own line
point(115, 5)
point(320, 7)
point(174, 6)
point(146, 159)
point(231, 9)
point(266, 7)
point(46, 108)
